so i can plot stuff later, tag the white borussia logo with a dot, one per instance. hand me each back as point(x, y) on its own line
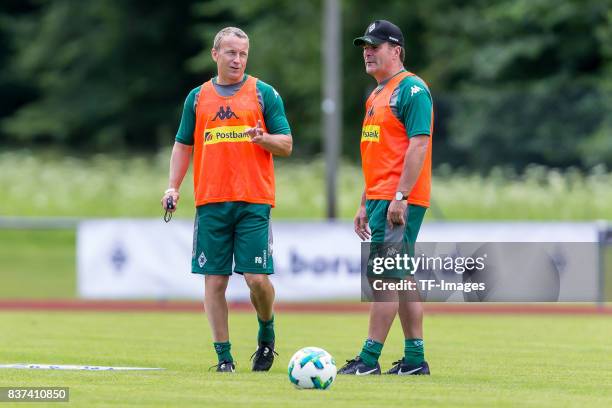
point(371, 27)
point(415, 89)
point(201, 259)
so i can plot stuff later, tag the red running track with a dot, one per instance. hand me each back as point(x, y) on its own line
point(182, 306)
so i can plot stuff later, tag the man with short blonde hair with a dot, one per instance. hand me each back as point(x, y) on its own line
point(228, 31)
point(232, 125)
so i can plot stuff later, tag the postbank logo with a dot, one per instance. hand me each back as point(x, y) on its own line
point(370, 133)
point(224, 134)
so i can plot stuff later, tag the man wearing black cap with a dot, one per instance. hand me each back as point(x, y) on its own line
point(396, 162)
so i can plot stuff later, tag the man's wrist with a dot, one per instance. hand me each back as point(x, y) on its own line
point(400, 195)
point(171, 190)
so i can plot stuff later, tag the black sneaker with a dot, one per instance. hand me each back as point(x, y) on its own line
point(224, 367)
point(399, 368)
point(358, 367)
point(263, 357)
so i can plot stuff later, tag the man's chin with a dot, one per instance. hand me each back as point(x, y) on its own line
point(235, 76)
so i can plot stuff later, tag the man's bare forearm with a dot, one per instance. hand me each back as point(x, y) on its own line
point(179, 163)
point(278, 145)
point(413, 163)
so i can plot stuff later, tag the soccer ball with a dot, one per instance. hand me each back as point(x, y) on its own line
point(312, 367)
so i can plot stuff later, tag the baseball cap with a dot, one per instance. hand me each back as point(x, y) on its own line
point(380, 31)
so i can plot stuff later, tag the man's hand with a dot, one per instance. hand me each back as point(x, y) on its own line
point(171, 192)
point(278, 145)
point(396, 212)
point(256, 133)
point(361, 224)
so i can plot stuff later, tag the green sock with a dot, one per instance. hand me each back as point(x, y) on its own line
point(413, 352)
point(370, 352)
point(266, 330)
point(223, 351)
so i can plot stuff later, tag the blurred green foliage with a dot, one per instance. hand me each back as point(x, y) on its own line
point(514, 81)
point(118, 185)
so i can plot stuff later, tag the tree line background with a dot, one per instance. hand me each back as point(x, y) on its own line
point(514, 81)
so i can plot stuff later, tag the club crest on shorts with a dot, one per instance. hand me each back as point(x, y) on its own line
point(201, 260)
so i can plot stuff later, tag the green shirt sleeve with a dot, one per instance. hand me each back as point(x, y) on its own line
point(414, 106)
point(185, 131)
point(273, 110)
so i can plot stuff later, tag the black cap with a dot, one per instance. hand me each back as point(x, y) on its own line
point(380, 31)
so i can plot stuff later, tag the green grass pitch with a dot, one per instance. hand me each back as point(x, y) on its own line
point(528, 361)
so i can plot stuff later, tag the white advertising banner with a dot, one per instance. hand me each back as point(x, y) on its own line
point(149, 259)
point(123, 259)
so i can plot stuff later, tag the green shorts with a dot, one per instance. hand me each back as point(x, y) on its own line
point(383, 234)
point(232, 233)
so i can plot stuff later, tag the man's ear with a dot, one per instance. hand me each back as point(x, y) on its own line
point(215, 54)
